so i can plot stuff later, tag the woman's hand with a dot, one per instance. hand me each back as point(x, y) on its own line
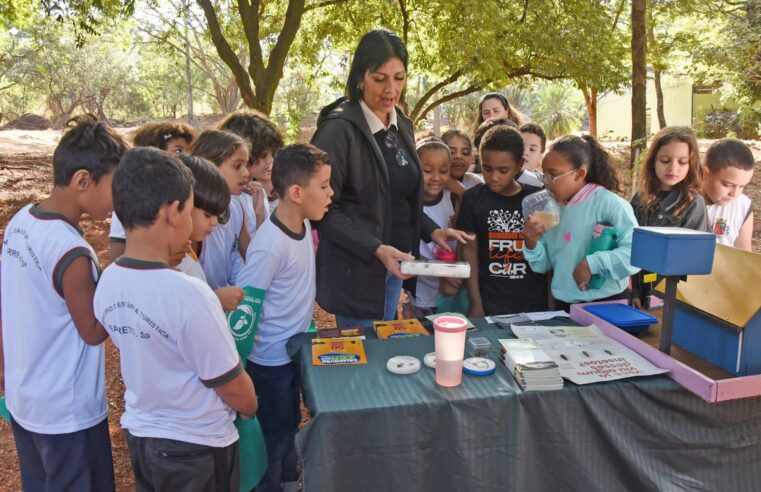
point(533, 230)
point(390, 257)
point(582, 274)
point(230, 297)
point(441, 236)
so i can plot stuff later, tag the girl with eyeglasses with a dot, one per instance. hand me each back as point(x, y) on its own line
point(577, 170)
point(375, 220)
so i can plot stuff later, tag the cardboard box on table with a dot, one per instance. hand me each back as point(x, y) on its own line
point(725, 329)
point(718, 316)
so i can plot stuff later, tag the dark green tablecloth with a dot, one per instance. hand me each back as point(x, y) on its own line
point(375, 431)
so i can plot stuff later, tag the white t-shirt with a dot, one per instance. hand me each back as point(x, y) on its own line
point(469, 180)
point(54, 381)
point(192, 267)
point(531, 178)
point(116, 232)
point(727, 220)
point(442, 212)
point(220, 258)
point(280, 262)
point(175, 348)
point(247, 204)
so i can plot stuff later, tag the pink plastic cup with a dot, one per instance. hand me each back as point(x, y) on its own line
point(450, 349)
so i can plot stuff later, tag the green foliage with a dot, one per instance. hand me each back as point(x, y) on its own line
point(559, 109)
point(458, 49)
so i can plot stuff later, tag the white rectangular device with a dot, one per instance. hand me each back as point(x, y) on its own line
point(433, 268)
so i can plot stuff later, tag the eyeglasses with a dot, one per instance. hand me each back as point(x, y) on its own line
point(392, 142)
point(548, 180)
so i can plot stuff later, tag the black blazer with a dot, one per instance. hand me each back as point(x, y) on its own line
point(350, 279)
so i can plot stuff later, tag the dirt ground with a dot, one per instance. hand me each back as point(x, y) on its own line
point(25, 176)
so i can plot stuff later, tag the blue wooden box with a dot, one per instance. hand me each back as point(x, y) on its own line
point(718, 316)
point(735, 349)
point(673, 250)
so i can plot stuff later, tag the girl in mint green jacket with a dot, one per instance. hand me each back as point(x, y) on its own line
point(578, 172)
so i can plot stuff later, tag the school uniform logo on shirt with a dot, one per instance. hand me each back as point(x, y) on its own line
point(720, 227)
point(506, 244)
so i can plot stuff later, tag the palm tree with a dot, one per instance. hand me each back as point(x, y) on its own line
point(559, 110)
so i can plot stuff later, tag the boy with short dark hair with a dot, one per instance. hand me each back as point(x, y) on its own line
point(501, 281)
point(728, 170)
point(281, 261)
point(52, 341)
point(184, 379)
point(534, 143)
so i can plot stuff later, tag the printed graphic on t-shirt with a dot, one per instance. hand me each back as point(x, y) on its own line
point(720, 227)
point(506, 244)
point(146, 326)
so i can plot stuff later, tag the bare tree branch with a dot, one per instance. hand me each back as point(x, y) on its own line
point(433, 90)
point(442, 100)
point(226, 52)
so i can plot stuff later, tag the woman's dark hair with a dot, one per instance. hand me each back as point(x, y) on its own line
point(375, 48)
point(585, 150)
point(689, 187)
point(512, 114)
point(261, 133)
point(217, 145)
point(210, 191)
point(158, 134)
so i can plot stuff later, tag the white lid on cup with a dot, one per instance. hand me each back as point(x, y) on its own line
point(450, 324)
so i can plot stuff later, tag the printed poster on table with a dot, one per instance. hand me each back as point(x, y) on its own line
point(584, 355)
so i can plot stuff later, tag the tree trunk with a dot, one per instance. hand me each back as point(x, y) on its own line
point(639, 82)
point(590, 100)
point(265, 76)
point(656, 60)
point(188, 73)
point(659, 99)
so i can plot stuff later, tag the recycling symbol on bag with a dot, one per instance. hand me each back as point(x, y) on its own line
point(241, 321)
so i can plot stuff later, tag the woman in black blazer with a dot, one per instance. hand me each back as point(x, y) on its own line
point(376, 219)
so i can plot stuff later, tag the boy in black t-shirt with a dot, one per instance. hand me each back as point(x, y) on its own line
point(501, 281)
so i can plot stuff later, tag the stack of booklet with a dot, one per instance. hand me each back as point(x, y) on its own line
point(530, 365)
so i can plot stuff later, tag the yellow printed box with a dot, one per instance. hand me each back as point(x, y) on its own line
point(399, 329)
point(338, 351)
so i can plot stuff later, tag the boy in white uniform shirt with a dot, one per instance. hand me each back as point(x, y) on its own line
point(52, 342)
point(182, 374)
point(281, 261)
